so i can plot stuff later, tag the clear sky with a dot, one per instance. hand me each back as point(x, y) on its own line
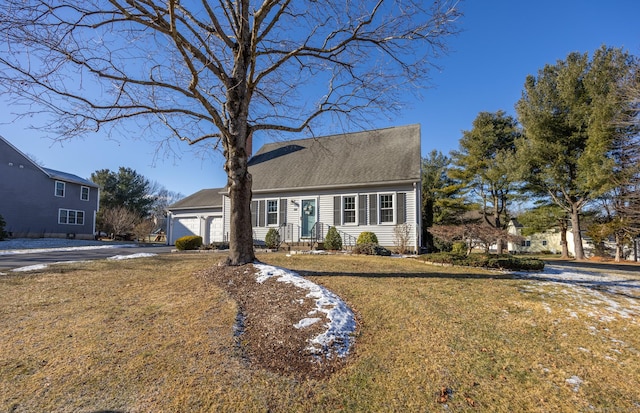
point(502, 41)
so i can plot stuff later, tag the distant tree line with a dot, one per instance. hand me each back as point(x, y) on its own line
point(572, 155)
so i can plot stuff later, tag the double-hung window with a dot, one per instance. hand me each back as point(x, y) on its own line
point(272, 212)
point(386, 208)
point(84, 193)
point(60, 189)
point(70, 216)
point(349, 210)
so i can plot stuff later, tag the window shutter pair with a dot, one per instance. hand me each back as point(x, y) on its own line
point(401, 209)
point(259, 211)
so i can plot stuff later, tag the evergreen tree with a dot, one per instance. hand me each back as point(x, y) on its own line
point(568, 112)
point(486, 165)
point(442, 200)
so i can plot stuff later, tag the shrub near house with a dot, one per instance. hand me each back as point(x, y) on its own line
point(333, 241)
point(189, 242)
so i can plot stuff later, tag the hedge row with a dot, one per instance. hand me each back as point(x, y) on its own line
point(498, 262)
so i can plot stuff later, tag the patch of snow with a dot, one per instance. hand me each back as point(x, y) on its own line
point(337, 338)
point(30, 268)
point(574, 381)
point(132, 256)
point(306, 322)
point(601, 296)
point(38, 267)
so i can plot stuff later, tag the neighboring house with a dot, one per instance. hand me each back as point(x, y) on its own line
point(197, 214)
point(363, 181)
point(547, 241)
point(40, 202)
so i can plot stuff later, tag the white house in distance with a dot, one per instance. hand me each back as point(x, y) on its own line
point(363, 181)
point(547, 241)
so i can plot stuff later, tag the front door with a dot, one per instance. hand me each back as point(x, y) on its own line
point(308, 217)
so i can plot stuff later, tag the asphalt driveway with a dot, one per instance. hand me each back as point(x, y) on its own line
point(16, 258)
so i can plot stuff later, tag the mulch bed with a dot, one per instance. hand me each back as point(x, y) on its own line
point(265, 332)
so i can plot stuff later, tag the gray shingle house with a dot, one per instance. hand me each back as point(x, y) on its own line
point(363, 181)
point(42, 202)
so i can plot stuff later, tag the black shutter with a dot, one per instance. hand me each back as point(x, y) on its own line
point(373, 209)
point(336, 210)
point(261, 212)
point(401, 212)
point(362, 206)
point(283, 211)
point(254, 213)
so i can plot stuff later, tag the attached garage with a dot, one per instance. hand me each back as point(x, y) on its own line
point(198, 214)
point(183, 226)
point(215, 230)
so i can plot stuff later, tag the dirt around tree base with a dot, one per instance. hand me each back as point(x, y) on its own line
point(265, 332)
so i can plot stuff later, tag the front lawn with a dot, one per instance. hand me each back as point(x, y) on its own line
point(150, 335)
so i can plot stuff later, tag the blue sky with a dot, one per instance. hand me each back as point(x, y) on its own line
point(502, 41)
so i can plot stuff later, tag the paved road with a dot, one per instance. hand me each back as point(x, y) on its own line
point(10, 261)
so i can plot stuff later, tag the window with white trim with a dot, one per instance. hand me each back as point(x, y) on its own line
point(59, 189)
point(349, 210)
point(70, 216)
point(272, 212)
point(84, 193)
point(386, 208)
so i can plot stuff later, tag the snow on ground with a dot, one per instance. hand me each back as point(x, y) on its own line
point(132, 256)
point(37, 245)
point(337, 338)
point(38, 267)
point(603, 296)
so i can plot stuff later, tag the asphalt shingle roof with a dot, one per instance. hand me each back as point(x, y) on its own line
point(67, 177)
point(205, 198)
point(360, 158)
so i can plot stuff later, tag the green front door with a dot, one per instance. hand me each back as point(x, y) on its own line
point(308, 217)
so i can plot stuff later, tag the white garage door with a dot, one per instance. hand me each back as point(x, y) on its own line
point(185, 226)
point(215, 230)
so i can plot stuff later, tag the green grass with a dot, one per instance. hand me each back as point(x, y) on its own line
point(149, 335)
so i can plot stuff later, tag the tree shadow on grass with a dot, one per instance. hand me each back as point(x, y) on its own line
point(618, 285)
point(445, 275)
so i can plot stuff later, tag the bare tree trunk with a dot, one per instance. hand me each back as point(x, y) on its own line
point(240, 239)
point(577, 237)
point(618, 248)
point(239, 183)
point(563, 243)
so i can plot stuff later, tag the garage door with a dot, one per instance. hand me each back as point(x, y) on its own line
point(185, 226)
point(215, 229)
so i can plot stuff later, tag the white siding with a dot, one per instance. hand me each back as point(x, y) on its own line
point(325, 212)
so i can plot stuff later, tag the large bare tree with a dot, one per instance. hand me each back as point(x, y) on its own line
point(215, 72)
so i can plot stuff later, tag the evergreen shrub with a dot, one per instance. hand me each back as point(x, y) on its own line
point(490, 261)
point(272, 239)
point(459, 248)
point(367, 238)
point(189, 242)
point(333, 241)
